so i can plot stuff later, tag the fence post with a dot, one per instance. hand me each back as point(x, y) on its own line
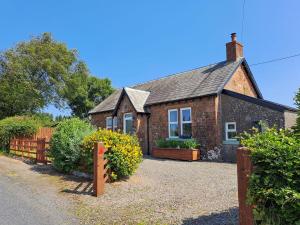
point(99, 169)
point(244, 170)
point(41, 150)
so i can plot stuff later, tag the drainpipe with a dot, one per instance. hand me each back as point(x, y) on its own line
point(148, 134)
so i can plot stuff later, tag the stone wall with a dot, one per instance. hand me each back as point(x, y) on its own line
point(290, 119)
point(244, 114)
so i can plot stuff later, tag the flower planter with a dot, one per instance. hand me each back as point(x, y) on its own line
point(175, 153)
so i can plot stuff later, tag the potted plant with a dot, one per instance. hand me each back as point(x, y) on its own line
point(181, 149)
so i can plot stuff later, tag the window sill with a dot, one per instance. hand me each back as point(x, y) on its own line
point(178, 139)
point(231, 142)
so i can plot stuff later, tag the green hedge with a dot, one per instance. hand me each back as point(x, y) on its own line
point(124, 155)
point(187, 144)
point(274, 186)
point(65, 143)
point(17, 126)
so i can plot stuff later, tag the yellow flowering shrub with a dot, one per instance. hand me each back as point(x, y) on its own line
point(124, 155)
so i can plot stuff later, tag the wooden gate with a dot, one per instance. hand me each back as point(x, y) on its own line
point(244, 170)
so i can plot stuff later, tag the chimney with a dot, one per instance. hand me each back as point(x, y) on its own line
point(234, 49)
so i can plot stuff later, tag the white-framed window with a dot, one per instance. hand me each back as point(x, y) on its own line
point(128, 123)
point(230, 131)
point(186, 122)
point(115, 123)
point(109, 123)
point(173, 123)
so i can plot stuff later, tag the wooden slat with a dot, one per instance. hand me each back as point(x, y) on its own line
point(105, 161)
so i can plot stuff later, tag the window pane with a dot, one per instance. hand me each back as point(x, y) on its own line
point(108, 122)
point(115, 122)
point(128, 116)
point(173, 130)
point(187, 130)
point(186, 115)
point(128, 127)
point(231, 126)
point(173, 116)
point(231, 135)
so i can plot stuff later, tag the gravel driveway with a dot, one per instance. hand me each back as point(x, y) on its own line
point(171, 192)
point(161, 192)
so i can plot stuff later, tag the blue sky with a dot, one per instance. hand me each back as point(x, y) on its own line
point(137, 40)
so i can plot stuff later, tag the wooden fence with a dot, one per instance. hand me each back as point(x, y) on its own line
point(44, 132)
point(244, 170)
point(35, 147)
point(32, 149)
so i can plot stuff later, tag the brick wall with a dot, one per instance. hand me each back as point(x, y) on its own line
point(99, 119)
point(204, 121)
point(139, 121)
point(241, 83)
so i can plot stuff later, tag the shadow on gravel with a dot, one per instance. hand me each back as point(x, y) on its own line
point(76, 185)
point(81, 189)
point(229, 217)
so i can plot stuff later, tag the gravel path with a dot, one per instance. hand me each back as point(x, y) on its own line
point(161, 192)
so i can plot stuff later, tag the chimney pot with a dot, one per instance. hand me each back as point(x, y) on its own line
point(234, 49)
point(233, 37)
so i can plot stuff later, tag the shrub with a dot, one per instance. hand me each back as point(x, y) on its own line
point(123, 157)
point(65, 143)
point(274, 186)
point(186, 144)
point(17, 126)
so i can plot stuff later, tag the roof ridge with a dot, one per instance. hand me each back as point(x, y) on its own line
point(176, 74)
point(134, 89)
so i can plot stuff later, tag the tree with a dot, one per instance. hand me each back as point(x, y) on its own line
point(297, 102)
point(85, 92)
point(43, 71)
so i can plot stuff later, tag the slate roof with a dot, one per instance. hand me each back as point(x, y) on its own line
point(137, 98)
point(203, 81)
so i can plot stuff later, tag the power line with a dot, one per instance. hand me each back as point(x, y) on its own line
point(243, 19)
point(276, 59)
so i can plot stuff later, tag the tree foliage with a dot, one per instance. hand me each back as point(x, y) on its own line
point(21, 126)
point(43, 71)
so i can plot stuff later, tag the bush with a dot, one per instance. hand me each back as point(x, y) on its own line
point(17, 126)
point(65, 143)
point(274, 186)
point(124, 155)
point(186, 144)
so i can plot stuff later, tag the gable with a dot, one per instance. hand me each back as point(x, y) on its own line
point(124, 106)
point(241, 83)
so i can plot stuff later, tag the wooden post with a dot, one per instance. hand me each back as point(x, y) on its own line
point(41, 150)
point(99, 169)
point(244, 170)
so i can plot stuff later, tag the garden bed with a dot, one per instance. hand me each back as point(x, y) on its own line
point(175, 153)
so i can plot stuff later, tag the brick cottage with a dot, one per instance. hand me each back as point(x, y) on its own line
point(211, 104)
